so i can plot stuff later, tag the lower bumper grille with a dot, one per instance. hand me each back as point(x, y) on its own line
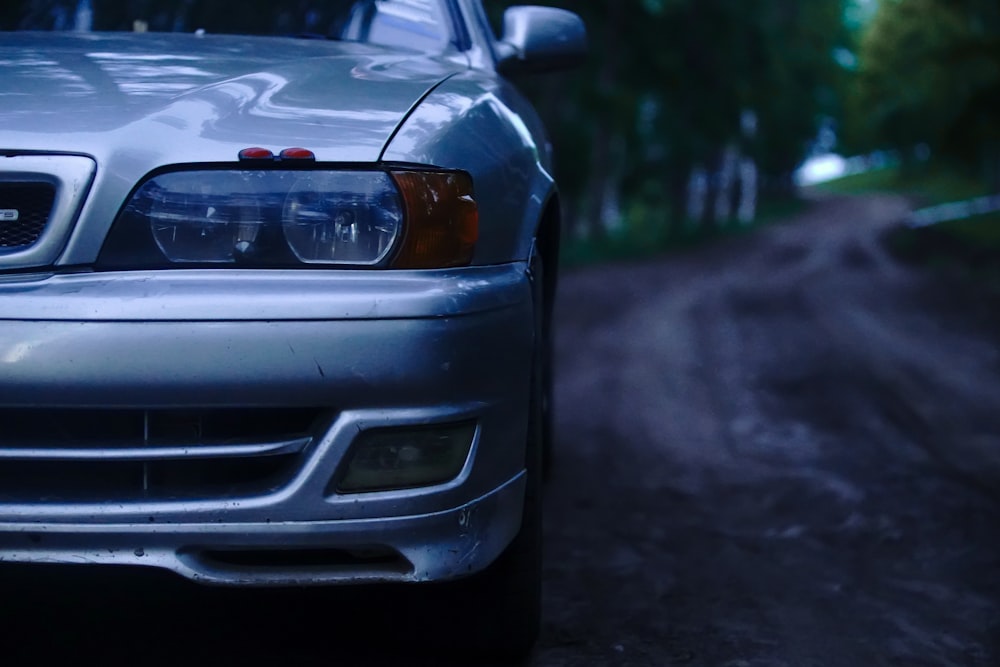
point(76, 455)
point(118, 481)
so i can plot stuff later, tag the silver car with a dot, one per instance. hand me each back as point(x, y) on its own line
point(275, 311)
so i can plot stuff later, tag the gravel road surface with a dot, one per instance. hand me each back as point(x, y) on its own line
point(783, 450)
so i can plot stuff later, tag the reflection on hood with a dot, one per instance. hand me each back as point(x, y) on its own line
point(219, 88)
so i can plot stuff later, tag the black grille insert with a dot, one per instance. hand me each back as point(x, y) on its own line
point(25, 476)
point(54, 428)
point(127, 481)
point(24, 211)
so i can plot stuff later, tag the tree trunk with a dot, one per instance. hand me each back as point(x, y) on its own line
point(677, 191)
point(607, 80)
point(600, 174)
point(709, 222)
point(747, 211)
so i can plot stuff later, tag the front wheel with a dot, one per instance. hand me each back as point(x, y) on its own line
point(497, 612)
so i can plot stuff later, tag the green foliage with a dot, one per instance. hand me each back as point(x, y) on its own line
point(969, 248)
point(930, 74)
point(973, 243)
point(797, 80)
point(668, 83)
point(858, 13)
point(933, 185)
point(643, 234)
point(981, 231)
point(876, 180)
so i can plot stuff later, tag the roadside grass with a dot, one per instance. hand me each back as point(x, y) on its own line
point(644, 232)
point(928, 185)
point(970, 245)
point(973, 241)
point(876, 180)
point(980, 230)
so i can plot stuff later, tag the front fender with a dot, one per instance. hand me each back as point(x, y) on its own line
point(478, 123)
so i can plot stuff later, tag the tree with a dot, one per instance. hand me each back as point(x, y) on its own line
point(671, 82)
point(930, 74)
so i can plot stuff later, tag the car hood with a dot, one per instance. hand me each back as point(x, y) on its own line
point(149, 100)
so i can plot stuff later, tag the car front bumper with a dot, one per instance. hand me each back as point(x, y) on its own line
point(362, 349)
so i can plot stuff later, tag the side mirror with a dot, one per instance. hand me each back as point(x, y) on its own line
point(540, 39)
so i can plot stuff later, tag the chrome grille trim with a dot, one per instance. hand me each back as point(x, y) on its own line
point(82, 455)
point(201, 451)
point(70, 176)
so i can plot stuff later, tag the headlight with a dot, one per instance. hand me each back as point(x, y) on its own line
point(341, 217)
point(296, 217)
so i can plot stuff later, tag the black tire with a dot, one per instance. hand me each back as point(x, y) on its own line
point(500, 608)
point(496, 614)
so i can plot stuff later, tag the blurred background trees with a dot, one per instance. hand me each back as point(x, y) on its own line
point(928, 84)
point(688, 109)
point(690, 113)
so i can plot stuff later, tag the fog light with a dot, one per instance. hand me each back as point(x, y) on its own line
point(401, 458)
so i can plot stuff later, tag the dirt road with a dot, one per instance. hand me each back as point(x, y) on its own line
point(780, 451)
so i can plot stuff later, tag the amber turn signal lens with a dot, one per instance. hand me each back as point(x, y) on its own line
point(442, 220)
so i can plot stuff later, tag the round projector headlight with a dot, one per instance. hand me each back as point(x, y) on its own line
point(342, 217)
point(192, 221)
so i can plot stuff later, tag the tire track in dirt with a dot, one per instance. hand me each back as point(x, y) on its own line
point(757, 446)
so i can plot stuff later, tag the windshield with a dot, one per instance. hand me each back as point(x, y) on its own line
point(416, 24)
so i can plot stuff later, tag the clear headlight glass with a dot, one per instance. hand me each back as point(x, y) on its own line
point(293, 217)
point(341, 217)
point(258, 218)
point(197, 220)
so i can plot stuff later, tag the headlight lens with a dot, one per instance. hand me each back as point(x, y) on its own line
point(196, 220)
point(342, 218)
point(296, 217)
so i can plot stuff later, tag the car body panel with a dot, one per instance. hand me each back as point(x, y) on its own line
point(355, 350)
point(232, 295)
point(481, 124)
point(129, 98)
point(433, 547)
point(70, 176)
point(414, 369)
point(137, 103)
